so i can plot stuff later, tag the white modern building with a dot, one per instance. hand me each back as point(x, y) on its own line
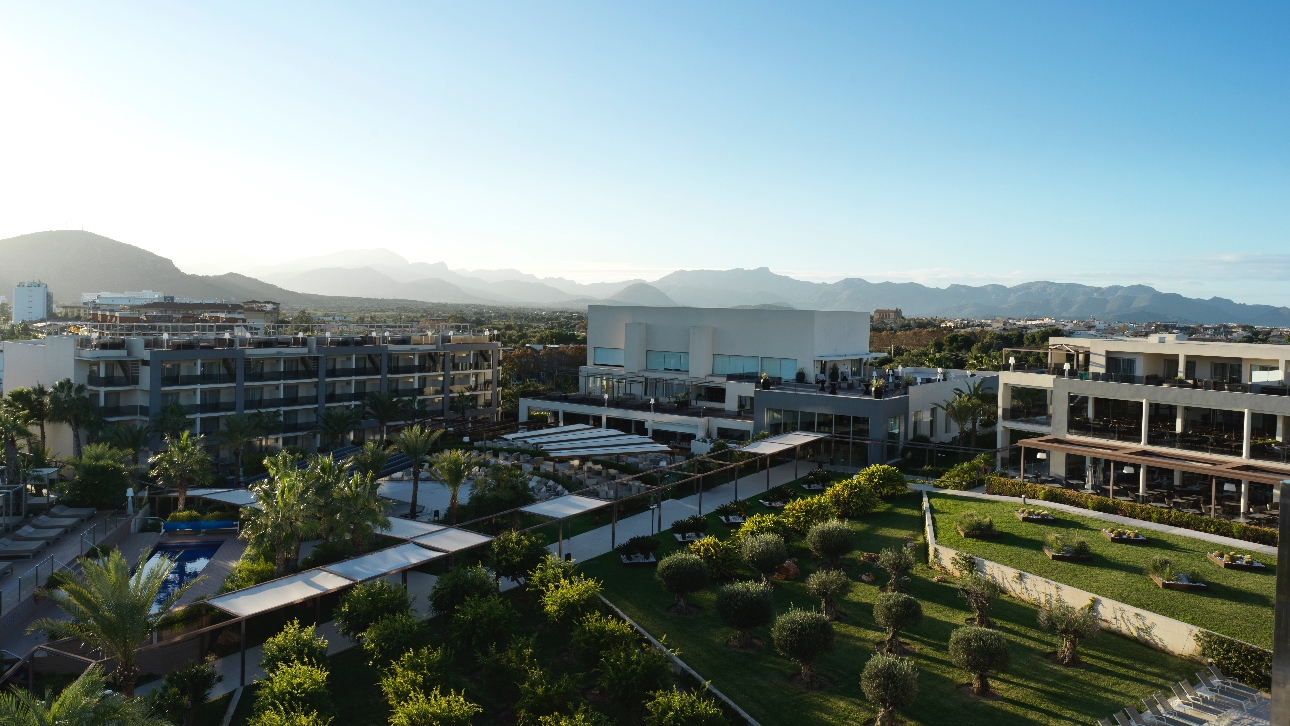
point(118, 300)
point(32, 301)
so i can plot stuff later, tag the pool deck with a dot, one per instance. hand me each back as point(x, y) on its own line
point(213, 575)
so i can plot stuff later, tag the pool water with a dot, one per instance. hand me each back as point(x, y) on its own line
point(190, 559)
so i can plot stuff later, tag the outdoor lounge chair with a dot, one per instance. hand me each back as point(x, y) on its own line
point(1137, 719)
point(1232, 683)
point(10, 550)
point(1170, 717)
point(1208, 696)
point(1197, 704)
point(45, 522)
point(1226, 689)
point(81, 513)
point(1178, 714)
point(1121, 719)
point(28, 532)
point(1104, 722)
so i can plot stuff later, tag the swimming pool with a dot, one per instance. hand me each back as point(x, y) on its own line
point(190, 559)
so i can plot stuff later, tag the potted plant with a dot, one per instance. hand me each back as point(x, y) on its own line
point(1162, 571)
point(1124, 536)
point(801, 375)
point(765, 382)
point(1067, 548)
point(878, 386)
point(732, 514)
point(777, 497)
point(816, 480)
point(682, 400)
point(690, 528)
point(1234, 561)
point(1027, 514)
point(833, 373)
point(638, 551)
point(974, 526)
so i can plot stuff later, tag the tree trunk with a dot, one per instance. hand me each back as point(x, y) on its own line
point(980, 684)
point(237, 467)
point(452, 507)
point(183, 495)
point(280, 562)
point(125, 677)
point(76, 440)
point(680, 602)
point(1067, 654)
point(886, 717)
point(893, 642)
point(826, 605)
point(42, 434)
point(416, 482)
point(808, 676)
point(983, 618)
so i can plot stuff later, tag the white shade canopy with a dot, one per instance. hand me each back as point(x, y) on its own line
point(279, 593)
point(452, 540)
point(566, 506)
point(383, 562)
point(408, 528)
point(236, 497)
point(783, 442)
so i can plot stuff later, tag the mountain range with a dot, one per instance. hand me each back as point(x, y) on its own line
point(73, 262)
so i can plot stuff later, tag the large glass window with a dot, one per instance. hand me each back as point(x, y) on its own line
point(1263, 438)
point(723, 365)
point(661, 360)
point(1112, 418)
point(1213, 431)
point(1225, 371)
point(785, 368)
point(607, 356)
point(1121, 366)
point(1028, 405)
point(1162, 424)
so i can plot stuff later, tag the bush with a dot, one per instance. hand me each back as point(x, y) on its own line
point(435, 709)
point(979, 591)
point(818, 476)
point(550, 572)
point(964, 563)
point(896, 611)
point(582, 717)
point(543, 694)
point(852, 498)
point(802, 514)
point(638, 545)
point(295, 688)
point(483, 621)
point(972, 524)
point(1067, 544)
point(781, 493)
point(294, 644)
point(185, 515)
point(831, 540)
point(682, 572)
point(693, 524)
point(248, 572)
point(598, 634)
point(886, 481)
point(456, 586)
point(392, 636)
point(721, 556)
point(367, 603)
point(628, 675)
point(1072, 625)
point(898, 562)
point(829, 586)
point(979, 651)
point(280, 718)
point(764, 553)
point(182, 692)
point(890, 682)
point(803, 635)
point(514, 554)
point(1163, 567)
point(504, 670)
point(968, 475)
point(328, 552)
point(1247, 663)
point(675, 708)
point(737, 508)
point(416, 672)
point(762, 524)
point(571, 600)
point(744, 606)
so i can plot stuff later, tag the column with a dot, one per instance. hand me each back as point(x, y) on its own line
point(1178, 423)
point(1182, 364)
point(1245, 437)
point(562, 417)
point(1245, 498)
point(1146, 419)
point(1142, 483)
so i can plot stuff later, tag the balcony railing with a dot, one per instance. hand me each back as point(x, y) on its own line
point(211, 407)
point(298, 427)
point(1106, 429)
point(120, 411)
point(1028, 414)
point(270, 376)
point(1279, 451)
point(113, 381)
point(346, 397)
point(352, 372)
point(1223, 445)
point(284, 402)
point(192, 379)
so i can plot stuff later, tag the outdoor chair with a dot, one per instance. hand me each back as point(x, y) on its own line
point(11, 550)
point(1211, 697)
point(81, 513)
point(1232, 683)
point(1197, 704)
point(1226, 690)
point(1104, 722)
point(46, 522)
point(1170, 717)
point(1121, 719)
point(28, 533)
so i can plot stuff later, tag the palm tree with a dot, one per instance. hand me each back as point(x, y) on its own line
point(13, 426)
point(101, 475)
point(284, 518)
point(131, 439)
point(416, 443)
point(962, 411)
point(336, 422)
point(451, 468)
point(69, 404)
point(239, 430)
point(371, 459)
point(84, 701)
point(386, 408)
point(183, 464)
point(324, 477)
point(170, 421)
point(361, 509)
point(34, 402)
point(112, 610)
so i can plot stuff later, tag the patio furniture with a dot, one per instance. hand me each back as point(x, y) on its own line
point(11, 550)
point(1225, 690)
point(1122, 719)
point(1137, 719)
point(1230, 683)
point(1104, 722)
point(1170, 717)
point(46, 522)
point(81, 513)
point(1213, 697)
point(1194, 704)
point(30, 533)
point(1212, 701)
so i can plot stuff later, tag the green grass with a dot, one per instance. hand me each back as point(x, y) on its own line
point(1237, 603)
point(1034, 690)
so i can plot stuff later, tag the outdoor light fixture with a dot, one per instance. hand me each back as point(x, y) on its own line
point(1128, 469)
point(1012, 363)
point(1041, 455)
point(651, 405)
point(1066, 367)
point(940, 374)
point(606, 400)
point(1229, 487)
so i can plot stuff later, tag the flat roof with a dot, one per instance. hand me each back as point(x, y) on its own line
point(526, 435)
point(650, 448)
point(565, 506)
point(409, 528)
point(451, 539)
point(783, 442)
point(279, 593)
point(383, 562)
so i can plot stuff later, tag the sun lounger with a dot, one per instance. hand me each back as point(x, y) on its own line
point(29, 532)
point(1232, 683)
point(45, 522)
point(1121, 719)
point(1225, 690)
point(1170, 717)
point(1104, 722)
point(1135, 718)
point(81, 513)
point(10, 550)
point(1187, 703)
point(1210, 697)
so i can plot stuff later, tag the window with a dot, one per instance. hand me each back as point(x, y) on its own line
point(785, 368)
point(723, 365)
point(931, 423)
point(660, 360)
point(1225, 372)
point(607, 356)
point(1121, 366)
point(917, 425)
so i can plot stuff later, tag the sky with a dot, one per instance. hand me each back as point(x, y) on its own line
point(1102, 143)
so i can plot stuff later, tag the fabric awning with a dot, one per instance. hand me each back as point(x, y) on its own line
point(565, 506)
point(650, 448)
point(452, 540)
point(236, 497)
point(1177, 459)
point(526, 435)
point(206, 492)
point(279, 593)
point(408, 528)
point(783, 442)
point(383, 562)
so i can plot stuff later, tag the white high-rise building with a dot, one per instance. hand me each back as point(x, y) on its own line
point(32, 301)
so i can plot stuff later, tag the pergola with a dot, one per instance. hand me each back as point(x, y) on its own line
point(580, 440)
point(562, 508)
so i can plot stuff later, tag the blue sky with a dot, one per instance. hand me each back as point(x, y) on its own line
point(1106, 143)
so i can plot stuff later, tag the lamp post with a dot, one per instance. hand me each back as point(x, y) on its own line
point(1066, 370)
point(651, 405)
point(1012, 363)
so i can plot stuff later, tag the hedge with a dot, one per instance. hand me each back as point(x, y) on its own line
point(1197, 522)
point(1247, 663)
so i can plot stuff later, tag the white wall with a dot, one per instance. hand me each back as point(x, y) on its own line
point(923, 397)
point(47, 361)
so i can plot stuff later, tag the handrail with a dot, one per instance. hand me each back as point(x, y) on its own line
point(4, 678)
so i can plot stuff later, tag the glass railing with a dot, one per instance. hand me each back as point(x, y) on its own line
point(1219, 444)
point(115, 381)
point(1028, 414)
point(1271, 451)
point(1105, 429)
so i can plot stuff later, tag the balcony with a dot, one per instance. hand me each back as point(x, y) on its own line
point(284, 402)
point(696, 409)
point(1037, 415)
point(353, 372)
point(410, 370)
point(346, 397)
point(272, 376)
point(1109, 429)
point(211, 407)
point(112, 381)
point(1205, 443)
point(122, 411)
point(298, 427)
point(193, 379)
point(1270, 451)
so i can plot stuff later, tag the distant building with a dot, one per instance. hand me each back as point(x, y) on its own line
point(257, 312)
point(118, 300)
point(32, 301)
point(887, 316)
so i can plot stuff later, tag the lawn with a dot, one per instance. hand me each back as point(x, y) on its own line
point(1237, 603)
point(1117, 671)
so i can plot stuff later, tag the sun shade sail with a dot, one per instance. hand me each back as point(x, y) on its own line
point(566, 506)
point(650, 448)
point(527, 435)
point(206, 492)
point(408, 528)
point(237, 497)
point(384, 562)
point(279, 593)
point(452, 540)
point(783, 442)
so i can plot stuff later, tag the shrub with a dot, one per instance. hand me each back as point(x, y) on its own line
point(803, 635)
point(628, 675)
point(675, 708)
point(569, 601)
point(483, 621)
point(781, 493)
point(764, 553)
point(737, 508)
point(802, 514)
point(514, 554)
point(744, 606)
point(896, 611)
point(757, 524)
point(280, 718)
point(294, 644)
point(504, 670)
point(886, 481)
point(369, 602)
point(1163, 567)
point(831, 540)
point(1072, 625)
point(185, 515)
point(598, 634)
point(979, 651)
point(544, 694)
point(968, 475)
point(898, 562)
point(328, 552)
point(582, 717)
point(979, 591)
point(852, 498)
point(682, 572)
point(456, 586)
point(550, 572)
point(721, 556)
point(818, 476)
point(693, 524)
point(247, 572)
point(974, 525)
point(890, 682)
point(435, 709)
point(416, 672)
point(964, 563)
point(1247, 663)
point(182, 692)
point(392, 636)
point(638, 545)
point(829, 586)
point(1067, 544)
point(295, 688)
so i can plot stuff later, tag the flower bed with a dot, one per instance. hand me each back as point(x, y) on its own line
point(1179, 584)
point(1233, 561)
point(1039, 516)
point(1066, 556)
point(1124, 536)
point(639, 560)
point(731, 520)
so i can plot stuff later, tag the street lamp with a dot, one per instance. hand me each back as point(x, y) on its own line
point(651, 405)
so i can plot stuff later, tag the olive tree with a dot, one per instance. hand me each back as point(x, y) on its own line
point(979, 651)
point(764, 553)
point(831, 540)
point(803, 635)
point(896, 611)
point(829, 586)
point(890, 682)
point(744, 606)
point(979, 591)
point(682, 572)
point(1072, 625)
point(898, 562)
